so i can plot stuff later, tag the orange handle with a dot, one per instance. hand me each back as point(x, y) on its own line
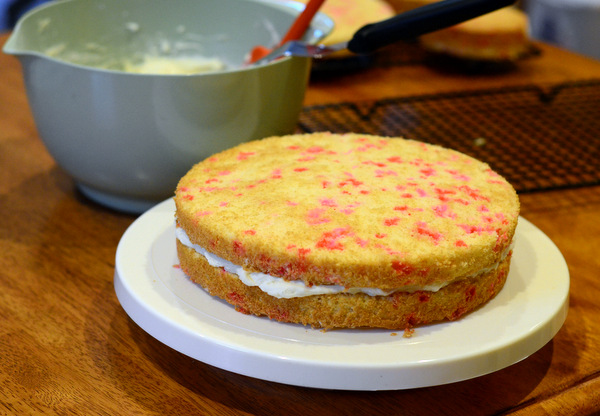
point(302, 21)
point(295, 32)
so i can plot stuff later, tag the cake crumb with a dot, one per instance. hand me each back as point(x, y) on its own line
point(408, 332)
point(480, 142)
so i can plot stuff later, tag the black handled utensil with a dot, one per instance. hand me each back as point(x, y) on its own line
point(405, 26)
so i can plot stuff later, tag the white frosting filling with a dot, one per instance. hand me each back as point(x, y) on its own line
point(280, 288)
point(284, 289)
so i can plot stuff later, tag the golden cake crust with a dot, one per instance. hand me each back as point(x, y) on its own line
point(401, 310)
point(351, 210)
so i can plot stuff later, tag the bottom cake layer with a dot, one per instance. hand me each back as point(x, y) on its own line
point(400, 310)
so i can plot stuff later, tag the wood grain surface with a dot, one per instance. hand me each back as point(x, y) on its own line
point(68, 348)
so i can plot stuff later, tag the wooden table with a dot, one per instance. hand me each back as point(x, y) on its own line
point(67, 346)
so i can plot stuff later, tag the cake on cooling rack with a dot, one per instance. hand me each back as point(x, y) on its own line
point(501, 35)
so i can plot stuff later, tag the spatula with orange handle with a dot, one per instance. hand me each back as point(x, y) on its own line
point(295, 32)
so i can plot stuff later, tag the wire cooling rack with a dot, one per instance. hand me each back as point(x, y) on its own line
point(537, 137)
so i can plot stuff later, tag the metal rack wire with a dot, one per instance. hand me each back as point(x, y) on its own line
point(538, 137)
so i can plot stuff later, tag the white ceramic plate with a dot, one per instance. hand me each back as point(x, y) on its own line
point(157, 295)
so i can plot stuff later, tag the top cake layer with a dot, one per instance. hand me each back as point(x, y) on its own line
point(352, 210)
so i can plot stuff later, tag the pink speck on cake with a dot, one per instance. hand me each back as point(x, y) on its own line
point(315, 216)
point(475, 229)
point(461, 201)
point(361, 242)
point(388, 250)
point(473, 193)
point(380, 173)
point(328, 202)
point(402, 269)
point(500, 217)
point(315, 149)
point(303, 252)
point(421, 192)
point(238, 248)
point(244, 155)
point(330, 240)
point(366, 147)
point(388, 222)
point(464, 178)
point(470, 293)
point(416, 162)
point(458, 175)
point(350, 181)
point(373, 163)
point(443, 211)
point(501, 240)
point(422, 228)
point(428, 172)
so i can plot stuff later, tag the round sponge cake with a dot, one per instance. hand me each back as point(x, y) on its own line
point(346, 230)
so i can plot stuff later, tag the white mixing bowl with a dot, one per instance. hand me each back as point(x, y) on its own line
point(126, 138)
